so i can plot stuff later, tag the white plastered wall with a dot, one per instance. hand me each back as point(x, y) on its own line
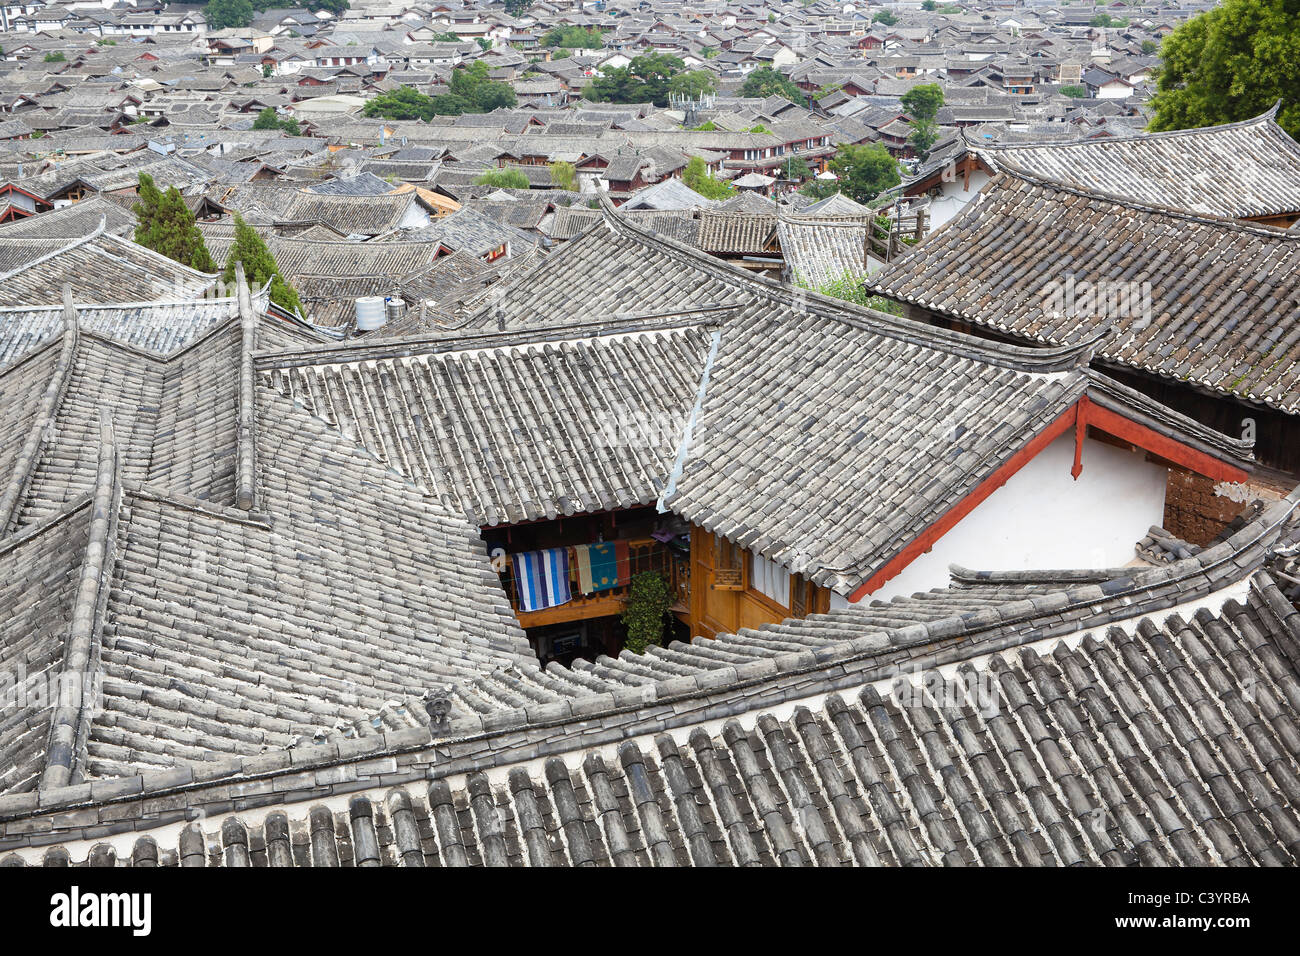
point(1044, 519)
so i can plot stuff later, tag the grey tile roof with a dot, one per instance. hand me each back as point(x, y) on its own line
point(351, 214)
point(1224, 310)
point(736, 232)
point(468, 230)
point(822, 250)
point(826, 407)
point(71, 222)
point(1239, 170)
point(503, 429)
point(100, 268)
point(1133, 745)
point(160, 327)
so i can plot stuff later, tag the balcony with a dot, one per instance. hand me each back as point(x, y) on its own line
point(644, 554)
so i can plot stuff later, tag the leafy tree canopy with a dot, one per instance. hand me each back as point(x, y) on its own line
point(922, 104)
point(503, 179)
point(270, 119)
point(572, 38)
point(766, 81)
point(1074, 92)
point(225, 14)
point(565, 175)
point(796, 168)
point(851, 287)
point(863, 172)
point(693, 83)
point(923, 101)
point(470, 91)
point(516, 7)
point(259, 266)
point(403, 103)
point(697, 176)
point(165, 224)
point(887, 17)
point(644, 80)
point(1229, 64)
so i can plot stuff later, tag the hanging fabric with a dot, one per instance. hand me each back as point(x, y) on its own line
point(602, 566)
point(541, 578)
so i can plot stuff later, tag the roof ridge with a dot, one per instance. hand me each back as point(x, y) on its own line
point(46, 412)
point(1017, 357)
point(95, 233)
point(69, 723)
point(1225, 222)
point(245, 440)
point(1263, 119)
point(405, 347)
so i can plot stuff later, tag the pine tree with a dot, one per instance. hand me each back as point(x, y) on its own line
point(165, 224)
point(259, 266)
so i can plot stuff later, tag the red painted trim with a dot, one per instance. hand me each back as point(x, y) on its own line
point(1079, 415)
point(1080, 433)
point(1116, 424)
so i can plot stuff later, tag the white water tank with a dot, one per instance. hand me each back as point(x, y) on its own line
point(371, 313)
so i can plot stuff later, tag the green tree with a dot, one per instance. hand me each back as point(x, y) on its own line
point(922, 104)
point(929, 5)
point(270, 119)
point(694, 83)
point(766, 81)
point(646, 613)
point(1074, 92)
point(55, 57)
point(1106, 20)
point(484, 43)
point(888, 18)
point(165, 224)
point(565, 176)
point(1150, 47)
point(644, 80)
point(259, 266)
point(795, 169)
point(656, 71)
point(1229, 64)
point(224, 14)
point(573, 38)
point(403, 103)
point(697, 176)
point(472, 85)
point(863, 173)
point(516, 7)
point(850, 287)
point(503, 179)
point(336, 7)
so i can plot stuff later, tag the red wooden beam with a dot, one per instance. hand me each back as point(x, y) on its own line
point(1080, 433)
point(1151, 440)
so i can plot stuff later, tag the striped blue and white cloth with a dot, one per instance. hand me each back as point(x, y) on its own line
point(542, 578)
